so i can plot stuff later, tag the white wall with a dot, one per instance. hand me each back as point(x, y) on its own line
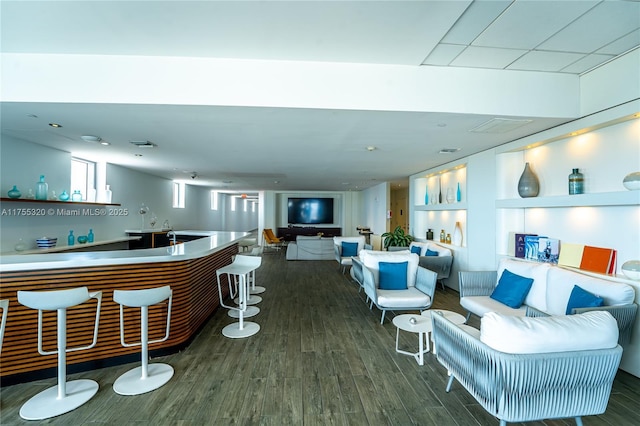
point(375, 203)
point(23, 162)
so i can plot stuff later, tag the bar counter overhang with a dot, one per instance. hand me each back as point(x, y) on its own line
point(189, 268)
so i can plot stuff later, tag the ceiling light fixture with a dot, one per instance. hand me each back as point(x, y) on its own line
point(448, 150)
point(91, 138)
point(371, 148)
point(143, 144)
point(55, 125)
point(499, 125)
point(104, 143)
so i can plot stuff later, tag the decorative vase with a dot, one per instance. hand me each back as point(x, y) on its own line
point(632, 181)
point(64, 196)
point(439, 192)
point(426, 196)
point(108, 194)
point(631, 269)
point(42, 189)
point(457, 235)
point(528, 185)
point(430, 234)
point(76, 196)
point(576, 182)
point(14, 192)
point(450, 197)
point(71, 239)
point(458, 193)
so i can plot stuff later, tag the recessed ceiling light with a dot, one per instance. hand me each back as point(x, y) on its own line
point(448, 150)
point(371, 148)
point(105, 143)
point(91, 138)
point(55, 125)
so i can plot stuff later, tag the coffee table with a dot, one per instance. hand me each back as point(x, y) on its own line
point(422, 327)
point(454, 317)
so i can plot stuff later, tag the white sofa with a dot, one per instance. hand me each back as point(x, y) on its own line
point(440, 263)
point(549, 293)
point(310, 248)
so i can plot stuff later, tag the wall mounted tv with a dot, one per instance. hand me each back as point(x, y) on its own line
point(310, 211)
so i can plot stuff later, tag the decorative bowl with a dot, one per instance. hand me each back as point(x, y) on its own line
point(631, 269)
point(82, 239)
point(46, 242)
point(632, 181)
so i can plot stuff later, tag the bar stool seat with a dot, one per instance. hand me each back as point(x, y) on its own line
point(239, 272)
point(66, 396)
point(146, 377)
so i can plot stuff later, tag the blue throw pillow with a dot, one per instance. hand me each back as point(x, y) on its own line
point(581, 298)
point(393, 275)
point(349, 249)
point(512, 289)
point(431, 253)
point(416, 250)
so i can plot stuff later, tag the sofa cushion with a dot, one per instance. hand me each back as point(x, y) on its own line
point(581, 298)
point(359, 239)
point(431, 253)
point(512, 289)
point(561, 282)
point(537, 296)
point(411, 297)
point(415, 249)
point(524, 335)
point(371, 258)
point(424, 246)
point(480, 305)
point(349, 249)
point(393, 275)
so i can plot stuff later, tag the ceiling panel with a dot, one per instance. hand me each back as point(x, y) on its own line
point(622, 44)
point(444, 54)
point(545, 61)
point(487, 57)
point(586, 63)
point(474, 20)
point(608, 21)
point(526, 24)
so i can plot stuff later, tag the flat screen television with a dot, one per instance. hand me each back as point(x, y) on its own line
point(310, 211)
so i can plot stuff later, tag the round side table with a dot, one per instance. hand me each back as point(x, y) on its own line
point(422, 327)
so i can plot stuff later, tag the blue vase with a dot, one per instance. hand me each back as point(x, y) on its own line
point(426, 196)
point(71, 239)
point(64, 196)
point(90, 236)
point(14, 192)
point(458, 193)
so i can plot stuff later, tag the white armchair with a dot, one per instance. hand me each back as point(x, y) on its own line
point(414, 291)
point(341, 247)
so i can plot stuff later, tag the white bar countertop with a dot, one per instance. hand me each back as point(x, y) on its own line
point(211, 242)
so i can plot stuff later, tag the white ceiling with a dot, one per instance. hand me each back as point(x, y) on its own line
point(250, 146)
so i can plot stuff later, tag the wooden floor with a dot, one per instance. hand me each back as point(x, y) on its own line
point(321, 357)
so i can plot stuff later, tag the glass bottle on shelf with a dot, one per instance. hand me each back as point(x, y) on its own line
point(42, 189)
point(576, 182)
point(71, 239)
point(76, 196)
point(450, 197)
point(458, 193)
point(448, 239)
point(442, 236)
point(430, 234)
point(90, 236)
point(64, 196)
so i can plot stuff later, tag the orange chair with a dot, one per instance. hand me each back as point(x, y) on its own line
point(270, 239)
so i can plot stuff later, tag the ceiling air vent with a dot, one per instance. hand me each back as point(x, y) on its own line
point(143, 144)
point(500, 125)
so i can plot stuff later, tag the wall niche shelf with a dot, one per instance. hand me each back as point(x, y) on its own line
point(621, 198)
point(441, 207)
point(84, 203)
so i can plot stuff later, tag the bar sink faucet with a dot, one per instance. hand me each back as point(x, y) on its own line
point(172, 235)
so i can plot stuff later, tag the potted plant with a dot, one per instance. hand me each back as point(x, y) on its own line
point(397, 238)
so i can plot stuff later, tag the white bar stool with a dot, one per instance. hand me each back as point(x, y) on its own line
point(147, 377)
point(255, 289)
point(238, 271)
point(66, 396)
point(4, 305)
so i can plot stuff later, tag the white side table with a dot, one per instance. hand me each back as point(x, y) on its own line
point(454, 317)
point(422, 326)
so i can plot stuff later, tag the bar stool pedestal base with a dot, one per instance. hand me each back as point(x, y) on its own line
point(257, 290)
point(251, 300)
point(46, 404)
point(132, 383)
point(233, 331)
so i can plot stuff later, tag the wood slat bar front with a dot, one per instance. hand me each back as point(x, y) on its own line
point(195, 297)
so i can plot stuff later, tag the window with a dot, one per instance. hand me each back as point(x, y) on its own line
point(214, 200)
point(178, 195)
point(83, 178)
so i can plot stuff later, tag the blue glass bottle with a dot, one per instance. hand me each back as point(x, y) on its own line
point(42, 189)
point(458, 193)
point(90, 236)
point(71, 239)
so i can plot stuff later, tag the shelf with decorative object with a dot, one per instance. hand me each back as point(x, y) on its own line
point(443, 187)
point(75, 247)
point(620, 198)
point(27, 200)
point(442, 207)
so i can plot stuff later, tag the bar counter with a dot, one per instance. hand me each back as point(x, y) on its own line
point(189, 268)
